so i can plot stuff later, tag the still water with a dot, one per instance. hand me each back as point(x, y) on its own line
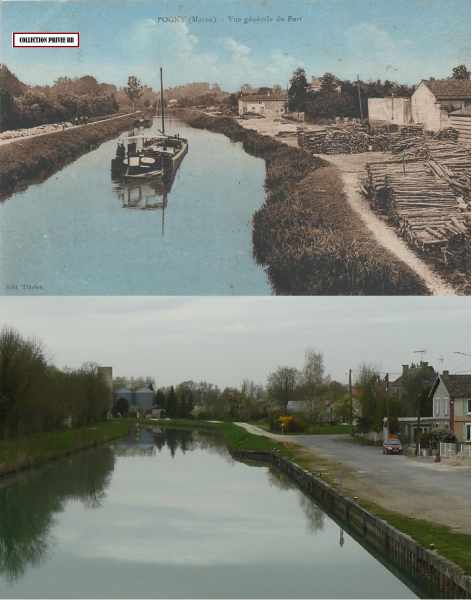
point(80, 233)
point(169, 514)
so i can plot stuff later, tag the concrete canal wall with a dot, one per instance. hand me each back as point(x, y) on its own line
point(396, 545)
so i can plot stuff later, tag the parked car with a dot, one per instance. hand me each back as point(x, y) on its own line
point(392, 447)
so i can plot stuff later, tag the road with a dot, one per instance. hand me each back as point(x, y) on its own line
point(28, 137)
point(414, 486)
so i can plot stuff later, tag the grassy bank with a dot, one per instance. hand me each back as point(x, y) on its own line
point(456, 547)
point(34, 450)
point(35, 159)
point(305, 235)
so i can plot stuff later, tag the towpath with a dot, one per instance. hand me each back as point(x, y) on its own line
point(414, 486)
point(351, 166)
point(27, 137)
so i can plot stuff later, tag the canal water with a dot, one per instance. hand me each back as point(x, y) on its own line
point(80, 233)
point(169, 514)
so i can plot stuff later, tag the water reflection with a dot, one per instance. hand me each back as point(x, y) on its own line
point(29, 501)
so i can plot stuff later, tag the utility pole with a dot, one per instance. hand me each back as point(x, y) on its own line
point(350, 398)
point(388, 396)
point(360, 99)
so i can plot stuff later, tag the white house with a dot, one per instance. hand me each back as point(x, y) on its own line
point(434, 99)
point(262, 104)
point(451, 397)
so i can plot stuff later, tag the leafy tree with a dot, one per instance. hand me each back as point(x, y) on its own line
point(313, 385)
point(171, 404)
point(329, 83)
point(461, 72)
point(441, 434)
point(134, 91)
point(369, 396)
point(297, 92)
point(281, 384)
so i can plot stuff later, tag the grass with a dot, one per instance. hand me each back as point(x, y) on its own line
point(36, 449)
point(35, 159)
point(305, 235)
point(456, 547)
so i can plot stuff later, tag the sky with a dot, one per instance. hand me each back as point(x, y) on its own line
point(224, 340)
point(404, 41)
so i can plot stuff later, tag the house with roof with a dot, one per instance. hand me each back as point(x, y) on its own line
point(434, 99)
point(450, 396)
point(460, 121)
point(263, 104)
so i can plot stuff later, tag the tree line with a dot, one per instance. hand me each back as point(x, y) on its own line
point(338, 98)
point(36, 397)
point(22, 106)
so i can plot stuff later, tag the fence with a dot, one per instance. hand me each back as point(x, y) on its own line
point(447, 450)
point(465, 449)
point(400, 548)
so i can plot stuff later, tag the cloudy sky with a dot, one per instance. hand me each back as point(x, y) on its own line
point(404, 41)
point(225, 340)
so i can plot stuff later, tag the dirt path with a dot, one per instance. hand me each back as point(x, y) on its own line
point(351, 172)
point(27, 137)
point(351, 166)
point(426, 487)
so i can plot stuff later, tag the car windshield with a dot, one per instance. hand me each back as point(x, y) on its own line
point(393, 442)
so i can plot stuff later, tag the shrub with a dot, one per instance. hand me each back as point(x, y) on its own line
point(442, 435)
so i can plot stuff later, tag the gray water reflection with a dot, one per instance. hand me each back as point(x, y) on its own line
point(80, 233)
point(185, 521)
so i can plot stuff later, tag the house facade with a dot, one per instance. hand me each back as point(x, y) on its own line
point(271, 104)
point(451, 394)
point(392, 110)
point(434, 99)
point(316, 84)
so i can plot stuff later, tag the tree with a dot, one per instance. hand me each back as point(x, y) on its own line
point(135, 90)
point(171, 405)
point(281, 384)
point(371, 413)
point(330, 83)
point(461, 72)
point(313, 385)
point(297, 92)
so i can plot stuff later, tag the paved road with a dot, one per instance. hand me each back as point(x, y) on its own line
point(412, 485)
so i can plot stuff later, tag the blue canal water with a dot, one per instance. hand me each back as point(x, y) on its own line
point(80, 233)
point(169, 514)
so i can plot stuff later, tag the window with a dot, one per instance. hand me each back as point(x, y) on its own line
point(466, 432)
point(446, 407)
point(436, 406)
point(467, 406)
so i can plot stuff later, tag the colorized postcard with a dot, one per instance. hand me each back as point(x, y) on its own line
point(235, 148)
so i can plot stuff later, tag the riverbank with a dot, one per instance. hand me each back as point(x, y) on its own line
point(450, 544)
point(35, 450)
point(306, 236)
point(32, 160)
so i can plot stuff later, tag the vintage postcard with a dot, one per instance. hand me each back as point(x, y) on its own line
point(235, 148)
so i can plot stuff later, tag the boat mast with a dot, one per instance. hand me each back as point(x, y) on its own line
point(162, 105)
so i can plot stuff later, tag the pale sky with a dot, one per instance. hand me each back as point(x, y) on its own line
point(224, 340)
point(404, 40)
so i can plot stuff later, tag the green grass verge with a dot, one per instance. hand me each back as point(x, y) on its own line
point(456, 547)
point(36, 449)
point(306, 236)
point(35, 159)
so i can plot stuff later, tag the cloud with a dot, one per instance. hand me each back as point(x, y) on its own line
point(235, 48)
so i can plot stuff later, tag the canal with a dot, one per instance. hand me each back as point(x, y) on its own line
point(169, 514)
point(80, 233)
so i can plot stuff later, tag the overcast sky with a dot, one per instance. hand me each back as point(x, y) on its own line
point(225, 340)
point(404, 40)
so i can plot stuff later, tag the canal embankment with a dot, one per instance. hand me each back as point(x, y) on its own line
point(306, 235)
point(450, 544)
point(34, 450)
point(32, 160)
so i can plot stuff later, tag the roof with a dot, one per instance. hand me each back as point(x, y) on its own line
point(144, 390)
point(458, 386)
point(448, 88)
point(428, 372)
point(123, 389)
point(272, 97)
point(462, 112)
